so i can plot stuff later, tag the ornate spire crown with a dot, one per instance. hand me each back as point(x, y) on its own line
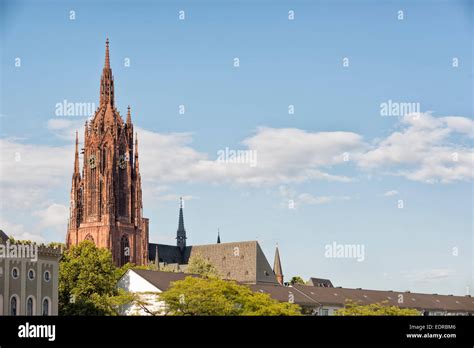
point(107, 80)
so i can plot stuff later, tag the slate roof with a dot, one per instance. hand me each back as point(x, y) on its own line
point(432, 302)
point(241, 261)
point(166, 253)
point(3, 237)
point(284, 293)
point(325, 283)
point(313, 296)
point(162, 280)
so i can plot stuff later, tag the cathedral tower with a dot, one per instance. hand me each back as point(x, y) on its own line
point(106, 199)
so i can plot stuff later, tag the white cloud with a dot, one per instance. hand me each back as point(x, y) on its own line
point(283, 156)
point(422, 150)
point(34, 166)
point(300, 199)
point(18, 231)
point(390, 193)
point(429, 275)
point(65, 128)
point(54, 216)
point(307, 198)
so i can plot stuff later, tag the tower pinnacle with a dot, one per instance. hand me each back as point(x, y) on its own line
point(76, 157)
point(277, 267)
point(107, 56)
point(181, 233)
point(107, 80)
point(129, 116)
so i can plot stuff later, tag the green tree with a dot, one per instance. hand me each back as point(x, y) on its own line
point(201, 266)
point(213, 296)
point(354, 308)
point(87, 282)
point(297, 280)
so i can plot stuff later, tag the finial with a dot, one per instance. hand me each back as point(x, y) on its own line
point(129, 116)
point(107, 58)
point(181, 202)
point(76, 156)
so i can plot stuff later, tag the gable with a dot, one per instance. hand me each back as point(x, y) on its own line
point(133, 282)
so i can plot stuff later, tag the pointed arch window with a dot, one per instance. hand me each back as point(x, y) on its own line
point(30, 306)
point(90, 238)
point(46, 310)
point(14, 305)
point(124, 250)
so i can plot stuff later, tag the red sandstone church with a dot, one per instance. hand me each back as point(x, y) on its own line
point(106, 204)
point(106, 198)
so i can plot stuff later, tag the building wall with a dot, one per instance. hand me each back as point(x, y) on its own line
point(132, 282)
point(22, 287)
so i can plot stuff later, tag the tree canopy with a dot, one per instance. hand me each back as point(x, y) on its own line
point(354, 308)
point(199, 265)
point(297, 280)
point(212, 296)
point(87, 282)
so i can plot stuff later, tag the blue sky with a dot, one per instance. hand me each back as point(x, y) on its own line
point(300, 62)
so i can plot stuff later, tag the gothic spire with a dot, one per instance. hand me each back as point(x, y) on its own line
point(181, 233)
point(277, 267)
point(107, 80)
point(107, 57)
point(129, 116)
point(76, 157)
point(136, 152)
point(218, 237)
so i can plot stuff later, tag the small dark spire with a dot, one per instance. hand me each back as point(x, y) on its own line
point(218, 237)
point(181, 233)
point(277, 267)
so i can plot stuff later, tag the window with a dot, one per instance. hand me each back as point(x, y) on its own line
point(124, 250)
point(30, 306)
point(14, 305)
point(89, 237)
point(15, 272)
point(47, 276)
point(31, 274)
point(324, 311)
point(1, 271)
point(46, 307)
